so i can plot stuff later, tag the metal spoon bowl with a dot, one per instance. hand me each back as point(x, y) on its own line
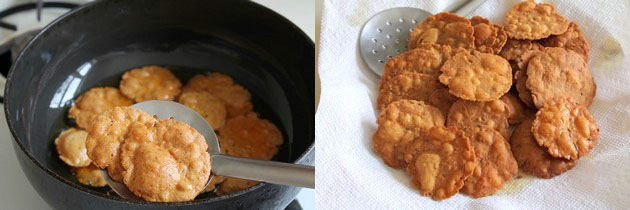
point(222, 165)
point(385, 34)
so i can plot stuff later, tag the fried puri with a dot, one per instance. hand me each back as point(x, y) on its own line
point(251, 137)
point(96, 101)
point(150, 83)
point(236, 97)
point(399, 124)
point(439, 160)
point(108, 131)
point(90, 176)
point(71, 147)
point(165, 162)
point(208, 106)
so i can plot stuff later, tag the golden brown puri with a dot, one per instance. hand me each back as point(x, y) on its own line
point(165, 162)
point(251, 137)
point(150, 83)
point(235, 97)
point(444, 29)
point(439, 160)
point(208, 106)
point(489, 38)
point(110, 128)
point(528, 20)
point(399, 124)
point(90, 176)
point(560, 72)
point(572, 39)
point(71, 147)
point(534, 159)
point(492, 114)
point(94, 102)
point(495, 163)
point(407, 85)
point(566, 129)
point(516, 111)
point(477, 76)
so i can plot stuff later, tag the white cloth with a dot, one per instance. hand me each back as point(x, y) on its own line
point(351, 176)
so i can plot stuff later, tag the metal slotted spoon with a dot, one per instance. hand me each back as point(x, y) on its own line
point(385, 34)
point(222, 165)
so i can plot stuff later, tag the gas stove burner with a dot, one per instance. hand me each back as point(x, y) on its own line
point(29, 6)
point(11, 49)
point(8, 26)
point(12, 45)
point(15, 36)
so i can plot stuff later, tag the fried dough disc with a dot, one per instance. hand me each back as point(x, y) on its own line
point(478, 20)
point(442, 99)
point(515, 109)
point(150, 83)
point(236, 98)
point(407, 85)
point(572, 39)
point(214, 183)
point(110, 128)
point(492, 114)
point(495, 163)
point(90, 176)
point(94, 102)
point(534, 159)
point(445, 29)
point(565, 129)
point(208, 106)
point(489, 38)
point(559, 72)
point(231, 185)
point(399, 124)
point(440, 159)
point(71, 147)
point(251, 137)
point(521, 87)
point(516, 51)
point(203, 82)
point(477, 76)
point(528, 20)
point(166, 162)
point(426, 59)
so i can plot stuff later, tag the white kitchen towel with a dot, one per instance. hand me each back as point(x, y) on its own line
point(351, 176)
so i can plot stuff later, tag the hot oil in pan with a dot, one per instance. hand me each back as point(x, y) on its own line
point(184, 74)
point(186, 54)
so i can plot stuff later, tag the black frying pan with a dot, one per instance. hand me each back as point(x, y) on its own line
point(94, 44)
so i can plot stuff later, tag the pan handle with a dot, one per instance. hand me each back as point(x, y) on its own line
point(264, 171)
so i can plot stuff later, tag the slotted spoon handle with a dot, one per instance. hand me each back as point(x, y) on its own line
point(466, 7)
point(264, 171)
